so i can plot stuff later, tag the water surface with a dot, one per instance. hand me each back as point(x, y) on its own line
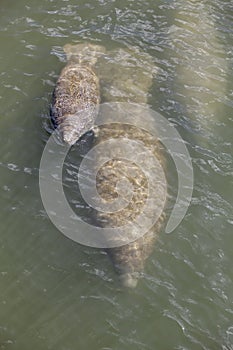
point(56, 294)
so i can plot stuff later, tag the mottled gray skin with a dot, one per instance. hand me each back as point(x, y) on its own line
point(129, 259)
point(76, 96)
point(126, 76)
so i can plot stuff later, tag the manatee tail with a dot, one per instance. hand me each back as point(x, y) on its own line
point(85, 53)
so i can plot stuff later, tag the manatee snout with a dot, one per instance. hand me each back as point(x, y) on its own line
point(129, 280)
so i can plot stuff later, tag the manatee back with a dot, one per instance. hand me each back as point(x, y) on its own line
point(84, 54)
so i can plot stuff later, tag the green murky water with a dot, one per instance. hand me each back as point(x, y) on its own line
point(56, 294)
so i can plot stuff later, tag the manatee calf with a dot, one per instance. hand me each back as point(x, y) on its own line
point(126, 76)
point(76, 95)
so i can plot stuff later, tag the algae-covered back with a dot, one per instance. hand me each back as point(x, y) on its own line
point(76, 95)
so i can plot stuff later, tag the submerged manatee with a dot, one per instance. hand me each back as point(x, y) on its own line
point(126, 76)
point(129, 259)
point(76, 95)
point(200, 68)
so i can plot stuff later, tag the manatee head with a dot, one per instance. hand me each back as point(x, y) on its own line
point(70, 137)
point(73, 126)
point(85, 53)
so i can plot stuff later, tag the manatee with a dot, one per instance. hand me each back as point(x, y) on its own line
point(129, 259)
point(200, 68)
point(126, 75)
point(76, 95)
